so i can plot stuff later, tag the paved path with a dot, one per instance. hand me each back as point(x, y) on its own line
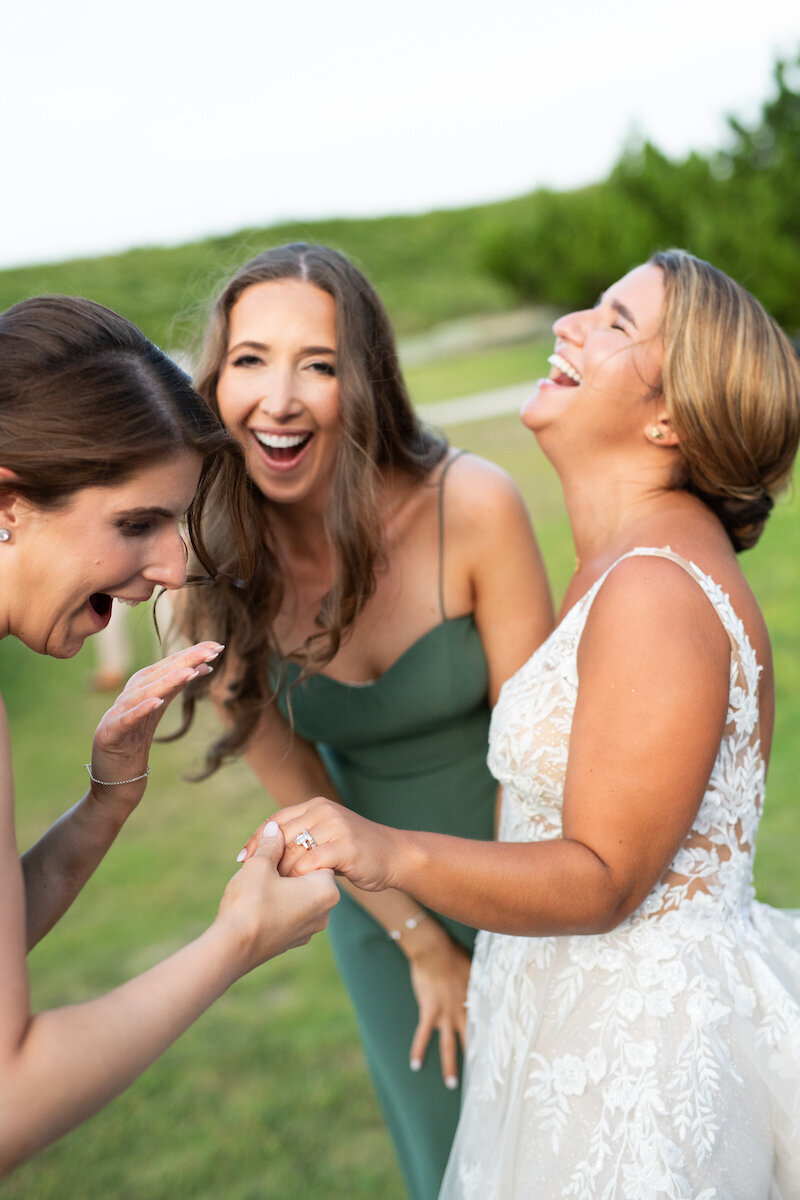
point(477, 407)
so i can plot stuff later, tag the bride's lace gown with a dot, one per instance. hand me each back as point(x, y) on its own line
point(661, 1060)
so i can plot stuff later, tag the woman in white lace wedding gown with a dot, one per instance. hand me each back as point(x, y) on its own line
point(634, 1015)
point(666, 1051)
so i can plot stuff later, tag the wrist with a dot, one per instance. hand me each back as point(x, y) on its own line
point(425, 939)
point(402, 931)
point(118, 794)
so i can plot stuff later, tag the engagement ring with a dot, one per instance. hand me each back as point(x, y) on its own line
point(305, 839)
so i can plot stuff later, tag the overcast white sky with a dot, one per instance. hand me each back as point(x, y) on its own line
point(159, 121)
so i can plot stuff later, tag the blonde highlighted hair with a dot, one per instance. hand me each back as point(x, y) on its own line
point(731, 382)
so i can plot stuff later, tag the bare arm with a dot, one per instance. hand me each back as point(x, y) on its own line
point(59, 1067)
point(59, 864)
point(652, 702)
point(490, 541)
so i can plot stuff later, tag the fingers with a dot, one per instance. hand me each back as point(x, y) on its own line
point(173, 672)
point(270, 843)
point(448, 1053)
point(420, 1042)
point(152, 688)
point(250, 846)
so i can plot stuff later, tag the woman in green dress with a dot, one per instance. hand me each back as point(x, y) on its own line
point(398, 586)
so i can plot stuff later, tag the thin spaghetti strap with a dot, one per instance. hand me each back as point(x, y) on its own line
point(445, 469)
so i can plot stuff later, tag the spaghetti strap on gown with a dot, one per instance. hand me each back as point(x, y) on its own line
point(407, 750)
point(660, 1061)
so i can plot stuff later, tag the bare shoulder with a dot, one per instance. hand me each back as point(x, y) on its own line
point(481, 493)
point(651, 598)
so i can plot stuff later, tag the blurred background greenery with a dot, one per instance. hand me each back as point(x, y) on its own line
point(267, 1095)
point(739, 207)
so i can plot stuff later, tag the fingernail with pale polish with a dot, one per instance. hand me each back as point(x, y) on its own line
point(415, 1064)
point(271, 829)
point(451, 1083)
point(242, 855)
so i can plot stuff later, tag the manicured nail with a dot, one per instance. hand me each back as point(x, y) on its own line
point(271, 829)
point(415, 1064)
point(242, 855)
point(451, 1082)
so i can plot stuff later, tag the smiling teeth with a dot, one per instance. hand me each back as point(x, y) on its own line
point(565, 368)
point(130, 603)
point(281, 441)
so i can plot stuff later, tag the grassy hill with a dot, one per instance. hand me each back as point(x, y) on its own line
point(427, 269)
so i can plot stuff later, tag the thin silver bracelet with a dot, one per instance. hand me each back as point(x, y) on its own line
point(116, 782)
point(409, 924)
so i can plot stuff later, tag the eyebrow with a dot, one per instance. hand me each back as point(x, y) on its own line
point(618, 307)
point(265, 346)
point(138, 514)
point(624, 312)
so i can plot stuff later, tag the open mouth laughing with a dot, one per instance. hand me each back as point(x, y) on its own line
point(101, 603)
point(563, 373)
point(283, 449)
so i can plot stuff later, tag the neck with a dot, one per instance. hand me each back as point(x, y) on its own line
point(609, 512)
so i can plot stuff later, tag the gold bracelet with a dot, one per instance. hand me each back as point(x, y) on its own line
point(116, 782)
point(409, 924)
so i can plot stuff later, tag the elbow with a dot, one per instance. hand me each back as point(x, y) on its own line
point(604, 902)
point(612, 909)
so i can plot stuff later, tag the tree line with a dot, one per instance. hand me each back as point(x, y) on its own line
point(739, 207)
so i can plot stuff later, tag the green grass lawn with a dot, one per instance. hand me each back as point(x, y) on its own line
point(267, 1095)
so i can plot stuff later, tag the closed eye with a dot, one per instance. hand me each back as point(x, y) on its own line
point(134, 529)
point(246, 360)
point(323, 368)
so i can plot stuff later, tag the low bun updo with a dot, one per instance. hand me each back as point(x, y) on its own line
point(731, 381)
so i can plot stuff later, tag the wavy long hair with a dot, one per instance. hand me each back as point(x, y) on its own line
point(380, 431)
point(731, 381)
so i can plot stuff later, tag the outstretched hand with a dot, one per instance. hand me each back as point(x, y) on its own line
point(343, 841)
point(122, 740)
point(268, 913)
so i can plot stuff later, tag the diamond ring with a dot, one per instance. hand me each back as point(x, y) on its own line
point(305, 839)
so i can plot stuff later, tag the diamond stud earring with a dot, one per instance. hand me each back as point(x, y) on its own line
point(5, 535)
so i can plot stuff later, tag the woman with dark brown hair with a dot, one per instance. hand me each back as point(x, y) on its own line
point(397, 584)
point(634, 1011)
point(104, 447)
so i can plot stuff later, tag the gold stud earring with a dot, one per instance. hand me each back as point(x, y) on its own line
point(656, 433)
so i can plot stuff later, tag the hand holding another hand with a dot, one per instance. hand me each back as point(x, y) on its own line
point(268, 913)
point(339, 839)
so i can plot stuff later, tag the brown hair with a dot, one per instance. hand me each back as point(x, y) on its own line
point(86, 400)
point(731, 381)
point(379, 431)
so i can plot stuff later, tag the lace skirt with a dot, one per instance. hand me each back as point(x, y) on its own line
point(657, 1062)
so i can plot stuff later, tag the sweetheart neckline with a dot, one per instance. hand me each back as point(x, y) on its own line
point(371, 683)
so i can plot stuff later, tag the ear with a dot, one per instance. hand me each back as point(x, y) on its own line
point(9, 498)
point(660, 431)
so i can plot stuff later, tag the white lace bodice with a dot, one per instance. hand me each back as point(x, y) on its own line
point(661, 1060)
point(529, 746)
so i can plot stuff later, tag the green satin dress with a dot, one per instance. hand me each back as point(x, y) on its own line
point(407, 750)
